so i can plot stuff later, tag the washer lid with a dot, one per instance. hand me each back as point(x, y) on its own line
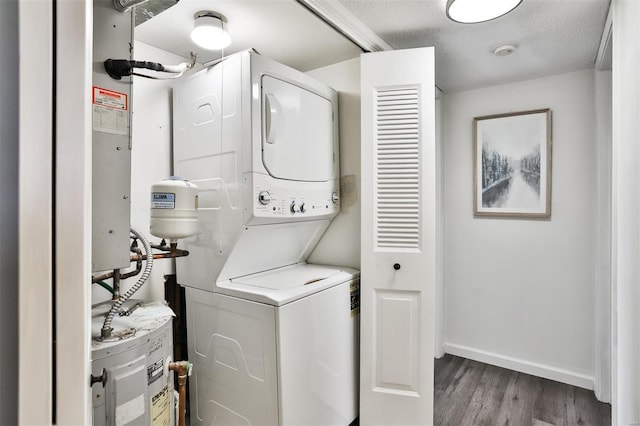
point(288, 277)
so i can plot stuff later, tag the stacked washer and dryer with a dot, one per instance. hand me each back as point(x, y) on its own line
point(273, 339)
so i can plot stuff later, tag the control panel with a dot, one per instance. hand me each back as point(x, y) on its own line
point(291, 200)
point(270, 203)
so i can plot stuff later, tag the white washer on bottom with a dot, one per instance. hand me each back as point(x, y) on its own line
point(290, 358)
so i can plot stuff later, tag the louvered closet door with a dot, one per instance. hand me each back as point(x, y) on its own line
point(398, 237)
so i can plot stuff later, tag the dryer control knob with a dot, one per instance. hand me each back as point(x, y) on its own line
point(334, 198)
point(264, 198)
point(293, 207)
point(302, 208)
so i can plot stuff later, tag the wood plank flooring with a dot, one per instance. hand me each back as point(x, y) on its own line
point(472, 393)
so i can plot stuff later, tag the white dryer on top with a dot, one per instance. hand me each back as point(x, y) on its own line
point(260, 140)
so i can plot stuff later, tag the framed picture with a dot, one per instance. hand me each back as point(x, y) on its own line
point(512, 164)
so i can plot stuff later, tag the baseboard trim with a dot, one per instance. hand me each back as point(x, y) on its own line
point(528, 367)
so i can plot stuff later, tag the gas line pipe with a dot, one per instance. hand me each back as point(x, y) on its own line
point(183, 368)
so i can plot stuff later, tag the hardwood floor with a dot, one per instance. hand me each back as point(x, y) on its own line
point(472, 393)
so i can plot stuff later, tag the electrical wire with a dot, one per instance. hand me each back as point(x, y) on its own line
point(105, 286)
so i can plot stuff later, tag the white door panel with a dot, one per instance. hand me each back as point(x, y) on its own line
point(398, 237)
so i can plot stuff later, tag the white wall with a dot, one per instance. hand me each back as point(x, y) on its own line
point(151, 153)
point(520, 293)
point(340, 245)
point(150, 160)
point(9, 208)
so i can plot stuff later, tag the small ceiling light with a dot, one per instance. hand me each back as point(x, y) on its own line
point(474, 11)
point(208, 31)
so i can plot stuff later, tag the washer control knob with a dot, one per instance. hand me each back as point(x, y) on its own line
point(334, 197)
point(302, 208)
point(264, 197)
point(293, 207)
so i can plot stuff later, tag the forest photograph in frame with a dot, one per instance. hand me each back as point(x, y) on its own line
point(512, 164)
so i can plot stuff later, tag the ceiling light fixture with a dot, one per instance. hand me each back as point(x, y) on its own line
point(208, 30)
point(474, 11)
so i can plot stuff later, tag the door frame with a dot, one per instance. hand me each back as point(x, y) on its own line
point(55, 211)
point(73, 191)
point(35, 228)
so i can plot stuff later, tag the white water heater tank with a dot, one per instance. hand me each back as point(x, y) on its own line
point(174, 208)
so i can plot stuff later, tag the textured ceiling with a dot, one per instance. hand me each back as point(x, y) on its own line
point(553, 36)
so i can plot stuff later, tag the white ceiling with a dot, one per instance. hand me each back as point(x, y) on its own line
point(282, 30)
point(553, 36)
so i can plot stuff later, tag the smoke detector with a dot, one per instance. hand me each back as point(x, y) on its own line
point(504, 49)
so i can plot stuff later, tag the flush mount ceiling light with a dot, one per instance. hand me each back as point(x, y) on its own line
point(474, 11)
point(208, 30)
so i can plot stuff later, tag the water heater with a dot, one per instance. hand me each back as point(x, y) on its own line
point(133, 384)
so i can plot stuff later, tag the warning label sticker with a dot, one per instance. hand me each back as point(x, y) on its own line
point(354, 291)
point(160, 408)
point(110, 111)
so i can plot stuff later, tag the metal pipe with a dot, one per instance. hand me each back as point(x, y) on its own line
point(116, 284)
point(138, 265)
point(102, 277)
point(174, 252)
point(171, 252)
point(106, 330)
point(183, 368)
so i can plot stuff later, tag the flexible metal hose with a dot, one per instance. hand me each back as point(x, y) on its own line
point(106, 327)
point(125, 5)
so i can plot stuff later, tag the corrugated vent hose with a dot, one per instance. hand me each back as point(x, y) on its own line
point(106, 327)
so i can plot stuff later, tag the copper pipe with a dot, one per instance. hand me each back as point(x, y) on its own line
point(102, 277)
point(170, 255)
point(171, 252)
point(138, 265)
point(182, 368)
point(134, 249)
